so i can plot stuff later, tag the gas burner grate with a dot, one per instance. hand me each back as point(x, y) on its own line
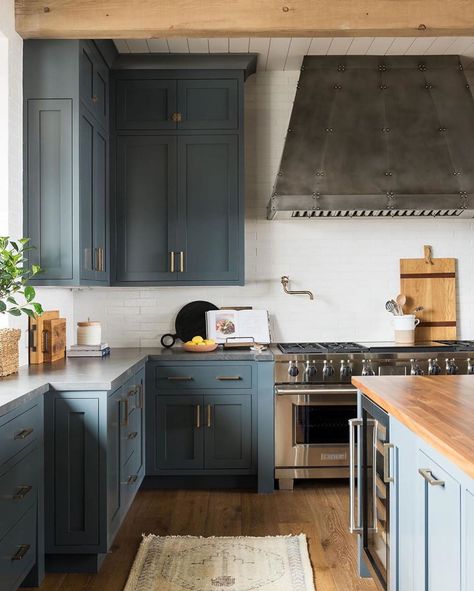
point(459, 345)
point(348, 347)
point(308, 348)
point(301, 348)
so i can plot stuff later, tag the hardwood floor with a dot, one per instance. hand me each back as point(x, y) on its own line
point(318, 509)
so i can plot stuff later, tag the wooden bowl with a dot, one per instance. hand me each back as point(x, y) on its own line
point(199, 348)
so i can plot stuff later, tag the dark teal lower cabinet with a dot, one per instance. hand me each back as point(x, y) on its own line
point(202, 419)
point(179, 444)
point(21, 497)
point(228, 432)
point(94, 467)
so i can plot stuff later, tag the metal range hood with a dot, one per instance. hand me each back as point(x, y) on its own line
point(370, 136)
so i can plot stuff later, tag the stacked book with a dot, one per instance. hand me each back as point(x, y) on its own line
point(89, 350)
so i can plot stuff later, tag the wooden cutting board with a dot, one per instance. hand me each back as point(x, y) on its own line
point(54, 339)
point(431, 283)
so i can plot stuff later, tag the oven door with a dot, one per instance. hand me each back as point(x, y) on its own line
point(311, 425)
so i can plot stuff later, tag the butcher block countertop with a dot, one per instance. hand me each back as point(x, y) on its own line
point(439, 409)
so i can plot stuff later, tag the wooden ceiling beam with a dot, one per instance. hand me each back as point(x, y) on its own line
point(128, 19)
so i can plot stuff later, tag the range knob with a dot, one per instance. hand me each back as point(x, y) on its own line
point(293, 370)
point(346, 369)
point(367, 369)
point(328, 369)
point(451, 367)
point(470, 367)
point(310, 370)
point(415, 369)
point(433, 367)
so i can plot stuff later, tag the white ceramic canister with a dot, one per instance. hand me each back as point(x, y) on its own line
point(405, 328)
point(89, 333)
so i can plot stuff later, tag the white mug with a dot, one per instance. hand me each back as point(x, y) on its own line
point(405, 328)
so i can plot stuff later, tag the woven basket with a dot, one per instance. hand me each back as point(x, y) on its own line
point(9, 338)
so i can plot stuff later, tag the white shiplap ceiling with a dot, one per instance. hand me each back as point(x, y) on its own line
point(278, 53)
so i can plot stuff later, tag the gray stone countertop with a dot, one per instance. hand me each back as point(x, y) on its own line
point(105, 373)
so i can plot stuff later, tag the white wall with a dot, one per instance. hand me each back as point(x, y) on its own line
point(11, 162)
point(352, 266)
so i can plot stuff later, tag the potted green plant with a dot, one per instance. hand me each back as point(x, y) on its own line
point(16, 297)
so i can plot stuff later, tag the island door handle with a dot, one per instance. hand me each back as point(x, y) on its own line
point(209, 416)
point(387, 478)
point(353, 528)
point(430, 479)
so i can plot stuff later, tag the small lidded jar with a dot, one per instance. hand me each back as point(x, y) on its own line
point(89, 333)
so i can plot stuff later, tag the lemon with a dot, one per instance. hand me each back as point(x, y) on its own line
point(197, 340)
point(189, 343)
point(210, 342)
point(203, 344)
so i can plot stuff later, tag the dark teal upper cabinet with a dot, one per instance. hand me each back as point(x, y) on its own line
point(146, 104)
point(179, 213)
point(208, 104)
point(208, 208)
point(145, 208)
point(66, 91)
point(94, 82)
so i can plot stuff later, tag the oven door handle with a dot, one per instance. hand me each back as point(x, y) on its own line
point(353, 527)
point(302, 391)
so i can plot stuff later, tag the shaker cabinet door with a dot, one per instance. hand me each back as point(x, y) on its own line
point(93, 183)
point(209, 231)
point(76, 471)
point(179, 443)
point(145, 104)
point(440, 524)
point(228, 432)
point(208, 104)
point(145, 209)
point(49, 193)
point(94, 82)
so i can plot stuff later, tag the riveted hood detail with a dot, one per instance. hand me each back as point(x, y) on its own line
point(374, 136)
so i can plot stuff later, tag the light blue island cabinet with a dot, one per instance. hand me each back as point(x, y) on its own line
point(427, 538)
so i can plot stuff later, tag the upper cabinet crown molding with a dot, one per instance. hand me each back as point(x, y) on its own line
point(146, 19)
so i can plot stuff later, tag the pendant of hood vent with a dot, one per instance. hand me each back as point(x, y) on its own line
point(355, 151)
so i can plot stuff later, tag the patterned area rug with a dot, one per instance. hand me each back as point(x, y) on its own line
point(178, 563)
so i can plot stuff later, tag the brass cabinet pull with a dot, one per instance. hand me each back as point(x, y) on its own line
point(180, 378)
point(140, 396)
point(181, 261)
point(208, 416)
point(172, 253)
point(22, 492)
point(430, 479)
point(132, 479)
point(95, 266)
point(177, 117)
point(132, 435)
point(124, 417)
point(228, 378)
point(94, 99)
point(198, 416)
point(21, 552)
point(101, 259)
point(24, 433)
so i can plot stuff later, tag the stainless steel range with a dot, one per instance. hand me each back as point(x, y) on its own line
point(315, 398)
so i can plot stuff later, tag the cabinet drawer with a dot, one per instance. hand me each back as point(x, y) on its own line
point(18, 551)
point(19, 432)
point(185, 377)
point(131, 435)
point(18, 490)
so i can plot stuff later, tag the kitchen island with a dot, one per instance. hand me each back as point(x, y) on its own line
point(421, 492)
